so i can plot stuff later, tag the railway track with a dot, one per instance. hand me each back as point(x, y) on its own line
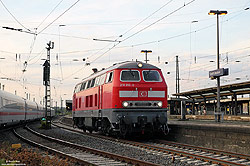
point(206, 150)
point(190, 154)
point(80, 154)
point(193, 155)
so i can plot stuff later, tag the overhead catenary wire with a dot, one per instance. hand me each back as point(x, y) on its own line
point(147, 17)
point(142, 21)
point(130, 37)
point(69, 36)
point(144, 29)
point(35, 34)
point(144, 43)
point(40, 55)
point(14, 16)
point(160, 40)
point(158, 20)
point(150, 42)
point(83, 66)
point(139, 43)
point(176, 10)
point(178, 35)
point(50, 13)
point(58, 17)
point(207, 66)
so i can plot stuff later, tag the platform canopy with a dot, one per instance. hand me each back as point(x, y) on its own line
point(211, 93)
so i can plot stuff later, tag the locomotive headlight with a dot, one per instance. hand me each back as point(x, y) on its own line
point(139, 65)
point(159, 104)
point(125, 104)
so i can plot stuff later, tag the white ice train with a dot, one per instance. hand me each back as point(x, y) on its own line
point(15, 109)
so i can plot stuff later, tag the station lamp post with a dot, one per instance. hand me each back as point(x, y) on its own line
point(146, 54)
point(217, 13)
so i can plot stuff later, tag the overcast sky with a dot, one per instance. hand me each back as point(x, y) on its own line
point(168, 28)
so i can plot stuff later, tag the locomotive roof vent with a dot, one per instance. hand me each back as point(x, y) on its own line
point(95, 70)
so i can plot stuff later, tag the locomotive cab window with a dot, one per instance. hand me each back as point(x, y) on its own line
point(151, 75)
point(83, 86)
point(130, 75)
point(109, 77)
point(77, 88)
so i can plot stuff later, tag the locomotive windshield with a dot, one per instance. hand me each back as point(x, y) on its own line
point(151, 75)
point(130, 75)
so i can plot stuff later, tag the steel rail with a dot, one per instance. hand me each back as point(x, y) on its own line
point(51, 150)
point(210, 150)
point(185, 154)
point(95, 151)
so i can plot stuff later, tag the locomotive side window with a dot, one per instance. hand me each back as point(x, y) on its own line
point(91, 101)
point(109, 77)
point(80, 102)
point(89, 83)
point(97, 81)
point(151, 75)
point(87, 101)
point(95, 99)
point(102, 79)
point(92, 82)
point(78, 87)
point(130, 75)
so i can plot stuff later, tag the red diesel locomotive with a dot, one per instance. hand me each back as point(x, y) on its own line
point(129, 97)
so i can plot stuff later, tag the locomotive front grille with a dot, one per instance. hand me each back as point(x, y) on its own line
point(142, 104)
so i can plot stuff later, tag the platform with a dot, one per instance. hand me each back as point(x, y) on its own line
point(243, 118)
point(202, 130)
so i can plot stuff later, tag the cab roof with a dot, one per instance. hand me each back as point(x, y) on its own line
point(122, 65)
point(133, 65)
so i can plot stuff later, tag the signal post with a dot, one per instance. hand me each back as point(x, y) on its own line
point(46, 83)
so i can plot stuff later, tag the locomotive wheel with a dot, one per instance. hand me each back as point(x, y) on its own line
point(90, 131)
point(106, 127)
point(123, 129)
point(164, 129)
point(106, 130)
